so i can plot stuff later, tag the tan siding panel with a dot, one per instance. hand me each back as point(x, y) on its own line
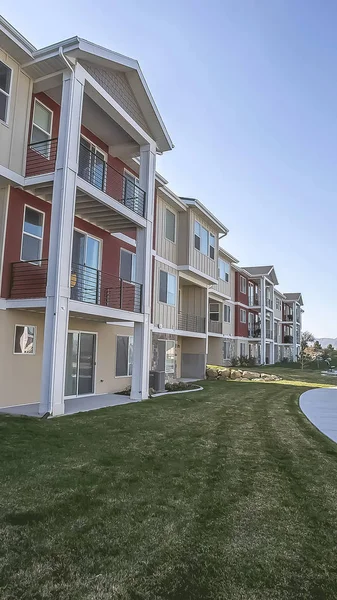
point(164, 247)
point(164, 314)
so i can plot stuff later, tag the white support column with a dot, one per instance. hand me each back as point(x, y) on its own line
point(142, 331)
point(294, 331)
point(263, 320)
point(60, 247)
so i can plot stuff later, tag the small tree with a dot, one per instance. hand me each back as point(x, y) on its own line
point(306, 339)
point(330, 349)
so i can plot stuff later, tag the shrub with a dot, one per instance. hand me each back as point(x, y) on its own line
point(234, 361)
point(177, 386)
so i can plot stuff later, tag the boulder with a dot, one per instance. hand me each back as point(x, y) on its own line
point(224, 373)
point(211, 373)
point(250, 375)
point(236, 374)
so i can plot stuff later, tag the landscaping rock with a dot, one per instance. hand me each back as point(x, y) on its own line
point(224, 373)
point(236, 374)
point(250, 375)
point(212, 373)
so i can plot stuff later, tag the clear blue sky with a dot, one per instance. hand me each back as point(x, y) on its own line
point(247, 89)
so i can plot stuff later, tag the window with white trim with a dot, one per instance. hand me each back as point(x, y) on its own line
point(41, 128)
point(170, 226)
point(212, 246)
point(278, 303)
point(24, 339)
point(127, 265)
point(124, 355)
point(167, 288)
point(243, 285)
point(242, 349)
point(214, 311)
point(5, 90)
point(170, 356)
point(224, 270)
point(227, 313)
point(32, 235)
point(227, 350)
point(243, 316)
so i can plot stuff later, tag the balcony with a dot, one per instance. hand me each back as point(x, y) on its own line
point(269, 333)
point(29, 280)
point(254, 332)
point(269, 303)
point(191, 323)
point(288, 339)
point(289, 317)
point(92, 168)
point(214, 326)
point(254, 301)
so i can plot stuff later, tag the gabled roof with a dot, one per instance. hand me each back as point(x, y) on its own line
point(296, 297)
point(229, 256)
point(48, 60)
point(263, 271)
point(205, 213)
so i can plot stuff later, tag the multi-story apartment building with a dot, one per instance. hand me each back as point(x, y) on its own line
point(105, 273)
point(76, 222)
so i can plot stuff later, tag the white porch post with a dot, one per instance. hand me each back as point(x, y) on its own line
point(263, 321)
point(142, 331)
point(294, 331)
point(61, 235)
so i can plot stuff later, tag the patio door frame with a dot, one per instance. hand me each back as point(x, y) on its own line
point(94, 333)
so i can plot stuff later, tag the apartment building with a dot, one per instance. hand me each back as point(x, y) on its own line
point(106, 273)
point(76, 221)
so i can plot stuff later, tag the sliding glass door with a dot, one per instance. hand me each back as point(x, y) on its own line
point(80, 363)
point(85, 268)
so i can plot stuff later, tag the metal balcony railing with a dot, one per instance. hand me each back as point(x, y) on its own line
point(29, 280)
point(191, 323)
point(288, 317)
point(214, 326)
point(41, 157)
point(93, 169)
point(254, 332)
point(288, 339)
point(254, 301)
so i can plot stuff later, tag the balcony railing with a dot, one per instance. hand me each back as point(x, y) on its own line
point(41, 157)
point(269, 302)
point(29, 280)
point(191, 323)
point(93, 169)
point(288, 339)
point(254, 332)
point(288, 317)
point(214, 326)
point(254, 301)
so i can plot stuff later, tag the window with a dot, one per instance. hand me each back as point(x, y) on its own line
point(243, 285)
point(24, 339)
point(32, 234)
point(211, 246)
point(127, 266)
point(124, 356)
point(278, 303)
point(214, 311)
point(170, 356)
point(242, 349)
point(41, 128)
point(170, 225)
point(200, 238)
point(227, 313)
point(227, 350)
point(243, 316)
point(223, 270)
point(167, 288)
point(5, 87)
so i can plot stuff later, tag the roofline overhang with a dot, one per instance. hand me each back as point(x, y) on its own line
point(197, 205)
point(230, 256)
point(25, 48)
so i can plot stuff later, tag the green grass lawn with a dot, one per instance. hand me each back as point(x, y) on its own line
point(229, 493)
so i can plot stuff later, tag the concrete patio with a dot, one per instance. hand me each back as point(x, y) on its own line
point(320, 407)
point(72, 405)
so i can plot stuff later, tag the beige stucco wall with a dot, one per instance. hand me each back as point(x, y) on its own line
point(215, 351)
point(164, 314)
point(193, 345)
point(164, 247)
point(13, 135)
point(20, 375)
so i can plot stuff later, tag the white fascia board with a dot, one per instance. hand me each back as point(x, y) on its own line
point(172, 198)
point(25, 48)
point(3, 304)
point(180, 332)
point(192, 271)
point(7, 176)
point(35, 180)
point(198, 206)
point(118, 207)
point(125, 238)
point(26, 303)
point(104, 311)
point(228, 255)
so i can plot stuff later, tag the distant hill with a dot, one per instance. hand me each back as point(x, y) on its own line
point(326, 341)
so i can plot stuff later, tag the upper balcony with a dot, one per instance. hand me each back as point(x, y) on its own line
point(88, 285)
point(215, 326)
point(193, 323)
point(93, 169)
point(254, 332)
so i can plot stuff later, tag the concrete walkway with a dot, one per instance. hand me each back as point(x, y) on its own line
point(320, 407)
point(72, 405)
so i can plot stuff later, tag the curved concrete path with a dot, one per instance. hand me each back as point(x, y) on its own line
point(320, 407)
